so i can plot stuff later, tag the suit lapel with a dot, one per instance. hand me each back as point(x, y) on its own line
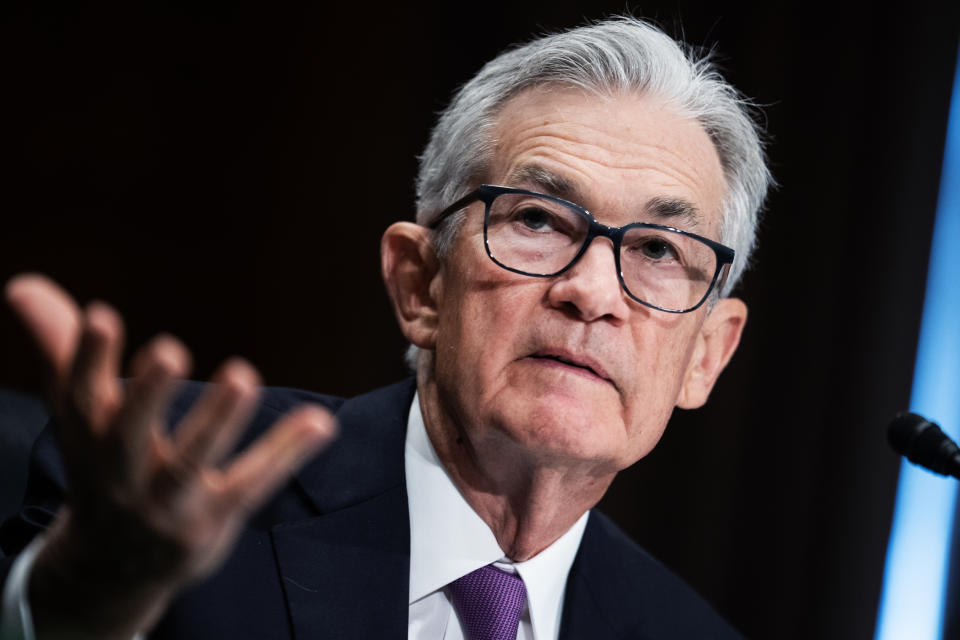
point(586, 609)
point(615, 589)
point(345, 572)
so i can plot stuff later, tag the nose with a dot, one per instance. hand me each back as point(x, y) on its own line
point(591, 289)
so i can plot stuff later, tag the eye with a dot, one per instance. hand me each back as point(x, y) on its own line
point(535, 218)
point(657, 249)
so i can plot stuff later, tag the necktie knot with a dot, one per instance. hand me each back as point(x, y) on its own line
point(489, 602)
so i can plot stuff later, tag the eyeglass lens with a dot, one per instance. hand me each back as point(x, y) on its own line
point(539, 236)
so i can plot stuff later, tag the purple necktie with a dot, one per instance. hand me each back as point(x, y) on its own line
point(489, 602)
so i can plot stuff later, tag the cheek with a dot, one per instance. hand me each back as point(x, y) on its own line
point(477, 338)
point(483, 308)
point(481, 316)
point(476, 343)
point(661, 363)
point(664, 346)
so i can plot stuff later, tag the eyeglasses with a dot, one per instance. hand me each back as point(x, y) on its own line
point(542, 236)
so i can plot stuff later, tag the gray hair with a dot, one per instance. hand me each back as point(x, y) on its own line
point(616, 56)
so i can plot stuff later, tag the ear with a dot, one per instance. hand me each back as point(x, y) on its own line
point(410, 265)
point(718, 339)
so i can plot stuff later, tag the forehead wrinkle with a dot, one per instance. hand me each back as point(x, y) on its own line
point(682, 173)
point(549, 137)
point(597, 138)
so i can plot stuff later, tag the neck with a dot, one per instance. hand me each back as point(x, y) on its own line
point(527, 499)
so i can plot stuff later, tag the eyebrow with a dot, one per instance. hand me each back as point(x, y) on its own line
point(663, 209)
point(669, 209)
point(542, 179)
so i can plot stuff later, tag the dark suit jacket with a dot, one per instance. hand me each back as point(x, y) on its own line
point(329, 556)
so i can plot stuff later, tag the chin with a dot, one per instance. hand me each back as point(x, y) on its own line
point(557, 428)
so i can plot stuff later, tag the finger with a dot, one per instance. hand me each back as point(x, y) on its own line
point(211, 428)
point(156, 369)
point(50, 315)
point(94, 388)
point(276, 456)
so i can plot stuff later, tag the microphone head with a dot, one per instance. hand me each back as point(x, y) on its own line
point(904, 429)
point(923, 443)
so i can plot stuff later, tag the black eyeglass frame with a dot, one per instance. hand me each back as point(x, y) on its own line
point(486, 193)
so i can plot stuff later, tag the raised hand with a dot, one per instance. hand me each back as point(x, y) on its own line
point(148, 512)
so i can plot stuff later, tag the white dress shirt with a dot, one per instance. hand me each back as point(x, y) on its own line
point(17, 623)
point(447, 540)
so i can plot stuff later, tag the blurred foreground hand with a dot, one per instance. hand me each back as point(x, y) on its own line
point(149, 511)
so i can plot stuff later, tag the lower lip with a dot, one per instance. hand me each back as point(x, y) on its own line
point(556, 364)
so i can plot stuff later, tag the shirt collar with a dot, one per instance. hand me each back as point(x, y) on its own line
point(449, 540)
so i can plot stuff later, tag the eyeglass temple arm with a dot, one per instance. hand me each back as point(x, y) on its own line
point(722, 280)
point(468, 199)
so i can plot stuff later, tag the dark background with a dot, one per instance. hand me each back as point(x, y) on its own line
point(225, 173)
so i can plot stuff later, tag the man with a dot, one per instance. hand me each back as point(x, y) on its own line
point(563, 291)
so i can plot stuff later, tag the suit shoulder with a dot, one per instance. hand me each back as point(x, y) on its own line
point(639, 596)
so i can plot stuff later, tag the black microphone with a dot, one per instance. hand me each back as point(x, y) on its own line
point(923, 443)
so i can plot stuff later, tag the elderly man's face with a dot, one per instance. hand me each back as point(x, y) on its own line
point(570, 367)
